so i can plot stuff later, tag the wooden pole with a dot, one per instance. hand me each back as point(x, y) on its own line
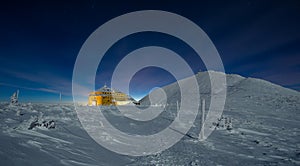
point(201, 136)
point(177, 109)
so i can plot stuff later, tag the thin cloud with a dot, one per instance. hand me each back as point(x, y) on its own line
point(55, 83)
point(29, 88)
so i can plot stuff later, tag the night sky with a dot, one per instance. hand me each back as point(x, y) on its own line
point(40, 41)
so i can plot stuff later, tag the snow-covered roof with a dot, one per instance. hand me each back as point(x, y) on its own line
point(104, 89)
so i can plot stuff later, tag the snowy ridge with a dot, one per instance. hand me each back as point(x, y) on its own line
point(262, 112)
point(265, 130)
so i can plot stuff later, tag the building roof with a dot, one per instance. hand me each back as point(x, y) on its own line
point(104, 89)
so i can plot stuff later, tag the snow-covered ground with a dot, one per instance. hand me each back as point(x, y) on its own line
point(265, 120)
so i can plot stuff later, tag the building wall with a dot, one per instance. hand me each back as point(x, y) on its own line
point(123, 102)
point(95, 100)
point(100, 98)
point(107, 98)
point(118, 96)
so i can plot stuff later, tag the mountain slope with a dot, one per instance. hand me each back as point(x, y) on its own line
point(265, 121)
point(265, 130)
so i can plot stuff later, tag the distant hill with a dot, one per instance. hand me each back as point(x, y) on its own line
point(248, 93)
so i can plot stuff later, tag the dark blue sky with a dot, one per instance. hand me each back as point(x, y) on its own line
point(40, 41)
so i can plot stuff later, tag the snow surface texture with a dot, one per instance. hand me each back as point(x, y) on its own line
point(265, 130)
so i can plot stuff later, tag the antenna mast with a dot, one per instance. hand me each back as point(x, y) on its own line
point(60, 97)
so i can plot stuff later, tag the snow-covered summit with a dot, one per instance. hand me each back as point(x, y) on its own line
point(264, 130)
point(236, 85)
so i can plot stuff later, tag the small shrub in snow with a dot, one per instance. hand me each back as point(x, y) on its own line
point(33, 124)
point(223, 123)
point(47, 124)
